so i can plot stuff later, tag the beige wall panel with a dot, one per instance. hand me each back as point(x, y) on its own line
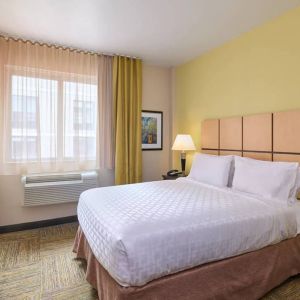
point(157, 96)
point(210, 134)
point(238, 153)
point(287, 131)
point(260, 156)
point(257, 132)
point(212, 152)
point(231, 133)
point(286, 157)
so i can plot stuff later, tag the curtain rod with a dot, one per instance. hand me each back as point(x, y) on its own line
point(59, 46)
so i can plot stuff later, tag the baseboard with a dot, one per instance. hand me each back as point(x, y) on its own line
point(37, 224)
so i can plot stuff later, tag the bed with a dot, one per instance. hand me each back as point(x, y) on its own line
point(138, 234)
point(190, 239)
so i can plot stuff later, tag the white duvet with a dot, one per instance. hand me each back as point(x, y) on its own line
point(140, 232)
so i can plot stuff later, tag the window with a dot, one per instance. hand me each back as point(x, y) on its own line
point(23, 119)
point(80, 119)
point(49, 115)
point(52, 117)
point(33, 118)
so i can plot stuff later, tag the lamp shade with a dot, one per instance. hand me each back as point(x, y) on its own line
point(183, 142)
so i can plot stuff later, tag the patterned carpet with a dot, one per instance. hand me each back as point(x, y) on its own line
point(39, 264)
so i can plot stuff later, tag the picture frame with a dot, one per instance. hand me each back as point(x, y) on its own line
point(152, 130)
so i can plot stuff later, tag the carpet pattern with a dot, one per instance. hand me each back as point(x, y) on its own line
point(39, 264)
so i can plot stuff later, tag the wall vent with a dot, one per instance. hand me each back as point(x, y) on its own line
point(42, 189)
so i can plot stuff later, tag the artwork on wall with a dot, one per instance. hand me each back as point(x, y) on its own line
point(152, 130)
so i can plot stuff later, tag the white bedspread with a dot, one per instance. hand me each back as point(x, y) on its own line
point(140, 232)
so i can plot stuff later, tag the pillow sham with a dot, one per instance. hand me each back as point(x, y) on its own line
point(211, 169)
point(273, 180)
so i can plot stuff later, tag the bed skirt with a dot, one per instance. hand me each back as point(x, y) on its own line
point(247, 276)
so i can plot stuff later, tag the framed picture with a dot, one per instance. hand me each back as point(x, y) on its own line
point(152, 130)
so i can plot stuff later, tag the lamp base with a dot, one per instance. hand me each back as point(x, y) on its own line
point(183, 160)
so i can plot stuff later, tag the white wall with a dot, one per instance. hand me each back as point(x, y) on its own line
point(156, 96)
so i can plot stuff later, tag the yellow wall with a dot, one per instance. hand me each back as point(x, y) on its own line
point(256, 72)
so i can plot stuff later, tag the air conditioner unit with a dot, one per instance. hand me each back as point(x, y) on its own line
point(41, 189)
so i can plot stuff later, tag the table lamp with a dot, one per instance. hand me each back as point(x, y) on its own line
point(183, 142)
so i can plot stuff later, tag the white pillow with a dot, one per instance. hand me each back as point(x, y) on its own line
point(273, 180)
point(296, 189)
point(211, 169)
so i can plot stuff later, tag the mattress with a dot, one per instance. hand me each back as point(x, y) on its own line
point(140, 232)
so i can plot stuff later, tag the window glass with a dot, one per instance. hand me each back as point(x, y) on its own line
point(52, 119)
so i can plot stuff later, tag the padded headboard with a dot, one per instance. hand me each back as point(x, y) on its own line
point(269, 136)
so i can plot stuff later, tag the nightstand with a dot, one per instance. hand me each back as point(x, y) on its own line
point(167, 177)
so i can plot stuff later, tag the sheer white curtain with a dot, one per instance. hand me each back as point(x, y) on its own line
point(51, 99)
point(106, 143)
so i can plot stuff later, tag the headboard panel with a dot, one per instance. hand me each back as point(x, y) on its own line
point(210, 134)
point(231, 134)
point(212, 152)
point(228, 152)
point(286, 157)
point(257, 132)
point(269, 136)
point(286, 134)
point(258, 155)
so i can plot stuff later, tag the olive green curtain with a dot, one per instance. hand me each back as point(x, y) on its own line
point(127, 95)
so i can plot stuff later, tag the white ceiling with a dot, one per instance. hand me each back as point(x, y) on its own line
point(166, 32)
